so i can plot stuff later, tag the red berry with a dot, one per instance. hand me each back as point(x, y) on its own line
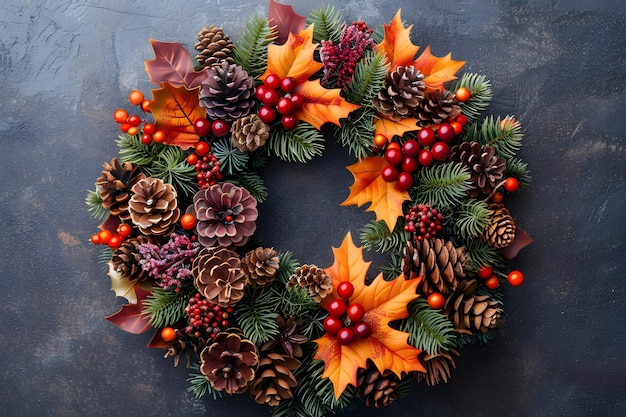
point(440, 151)
point(124, 127)
point(149, 128)
point(134, 120)
point(511, 184)
point(104, 236)
point(192, 159)
point(461, 118)
point(146, 139)
point(426, 157)
point(411, 148)
point(389, 173)
point(270, 98)
point(345, 336)
point(188, 221)
point(145, 106)
point(362, 330)
point(297, 100)
point(272, 82)
point(436, 300)
point(404, 181)
point(458, 127)
point(124, 230)
point(426, 136)
point(493, 282)
point(393, 156)
point(288, 84)
point(410, 164)
point(445, 132)
point(289, 121)
point(485, 271)
point(337, 308)
point(332, 325)
point(497, 197)
point(115, 242)
point(260, 90)
point(220, 128)
point(202, 148)
point(285, 106)
point(95, 239)
point(202, 126)
point(515, 278)
point(267, 114)
point(356, 312)
point(120, 116)
point(345, 289)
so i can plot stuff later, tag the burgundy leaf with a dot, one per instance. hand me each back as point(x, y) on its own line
point(130, 317)
point(110, 224)
point(174, 65)
point(520, 241)
point(285, 19)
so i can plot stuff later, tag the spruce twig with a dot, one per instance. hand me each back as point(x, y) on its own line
point(94, 206)
point(251, 50)
point(442, 185)
point(428, 329)
point(298, 145)
point(328, 24)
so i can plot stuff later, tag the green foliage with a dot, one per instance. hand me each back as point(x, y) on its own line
point(312, 325)
point(480, 88)
point(393, 269)
point(356, 132)
point(287, 265)
point(442, 185)
point(378, 34)
point(200, 386)
point(368, 79)
point(165, 306)
point(515, 167)
point(472, 218)
point(504, 135)
point(375, 235)
point(94, 205)
point(295, 301)
point(252, 182)
point(105, 256)
point(256, 315)
point(480, 253)
point(428, 329)
point(132, 150)
point(251, 50)
point(298, 145)
point(172, 168)
point(232, 160)
point(328, 24)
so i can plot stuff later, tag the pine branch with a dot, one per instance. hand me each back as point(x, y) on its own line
point(480, 253)
point(368, 80)
point(375, 235)
point(251, 50)
point(480, 88)
point(105, 257)
point(256, 315)
point(172, 168)
point(200, 385)
point(312, 325)
point(252, 182)
point(94, 206)
point(166, 307)
point(428, 329)
point(328, 24)
point(295, 301)
point(393, 269)
point(442, 185)
point(356, 132)
point(287, 265)
point(379, 34)
point(515, 167)
point(472, 218)
point(232, 160)
point(505, 135)
point(132, 150)
point(298, 145)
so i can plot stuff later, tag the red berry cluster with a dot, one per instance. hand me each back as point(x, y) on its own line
point(402, 163)
point(206, 164)
point(492, 277)
point(206, 319)
point(132, 124)
point(279, 100)
point(345, 320)
point(219, 128)
point(423, 222)
point(114, 240)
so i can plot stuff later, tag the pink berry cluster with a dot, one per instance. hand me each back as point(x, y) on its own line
point(205, 319)
point(279, 100)
point(423, 222)
point(345, 319)
point(170, 264)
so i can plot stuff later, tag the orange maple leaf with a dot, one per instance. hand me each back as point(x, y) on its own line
point(384, 302)
point(397, 44)
point(295, 59)
point(370, 187)
point(389, 128)
point(437, 70)
point(175, 109)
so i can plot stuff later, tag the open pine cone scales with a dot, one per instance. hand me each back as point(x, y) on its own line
point(227, 92)
point(213, 46)
point(315, 279)
point(153, 207)
point(274, 381)
point(470, 311)
point(115, 184)
point(218, 276)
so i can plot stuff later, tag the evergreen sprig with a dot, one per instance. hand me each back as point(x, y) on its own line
point(256, 315)
point(131, 149)
point(481, 96)
point(505, 135)
point(428, 329)
point(165, 307)
point(375, 235)
point(94, 206)
point(105, 256)
point(172, 168)
point(393, 269)
point(297, 145)
point(480, 253)
point(200, 385)
point(294, 301)
point(515, 167)
point(328, 24)
point(232, 160)
point(286, 266)
point(472, 218)
point(443, 185)
point(251, 50)
point(254, 183)
point(368, 80)
point(356, 132)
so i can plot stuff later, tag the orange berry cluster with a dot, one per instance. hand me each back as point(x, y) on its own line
point(133, 124)
point(114, 240)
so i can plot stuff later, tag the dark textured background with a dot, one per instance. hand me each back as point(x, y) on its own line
point(556, 65)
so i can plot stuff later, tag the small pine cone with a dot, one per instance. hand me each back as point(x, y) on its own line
point(249, 133)
point(438, 261)
point(501, 229)
point(437, 107)
point(227, 92)
point(115, 184)
point(260, 265)
point(153, 207)
point(486, 169)
point(378, 389)
point(315, 279)
point(126, 259)
point(229, 362)
point(438, 367)
point(471, 312)
point(213, 46)
point(218, 276)
point(274, 379)
point(402, 93)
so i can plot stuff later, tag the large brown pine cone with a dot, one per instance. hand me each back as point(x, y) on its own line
point(261, 265)
point(274, 379)
point(213, 46)
point(229, 362)
point(115, 184)
point(218, 276)
point(471, 312)
point(437, 107)
point(486, 169)
point(501, 229)
point(402, 93)
point(227, 92)
point(378, 389)
point(126, 259)
point(438, 261)
point(315, 279)
point(438, 367)
point(153, 207)
point(249, 133)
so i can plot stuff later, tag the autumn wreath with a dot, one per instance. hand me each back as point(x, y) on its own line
point(178, 207)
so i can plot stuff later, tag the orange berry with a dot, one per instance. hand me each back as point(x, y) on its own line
point(120, 116)
point(95, 239)
point(380, 140)
point(135, 97)
point(436, 300)
point(392, 145)
point(115, 242)
point(104, 236)
point(463, 94)
point(458, 127)
point(133, 130)
point(124, 230)
point(188, 221)
point(511, 184)
point(497, 197)
point(168, 334)
point(145, 106)
point(202, 148)
point(159, 136)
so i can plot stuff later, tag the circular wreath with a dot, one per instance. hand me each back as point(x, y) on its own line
point(178, 207)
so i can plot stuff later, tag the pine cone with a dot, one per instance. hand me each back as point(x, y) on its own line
point(260, 265)
point(227, 92)
point(214, 47)
point(378, 389)
point(437, 107)
point(274, 380)
point(486, 168)
point(402, 93)
point(438, 367)
point(153, 207)
point(471, 312)
point(126, 259)
point(438, 261)
point(218, 276)
point(501, 229)
point(114, 186)
point(226, 215)
point(249, 133)
point(315, 279)
point(228, 363)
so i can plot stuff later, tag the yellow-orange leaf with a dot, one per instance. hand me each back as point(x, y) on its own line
point(322, 105)
point(294, 58)
point(437, 70)
point(384, 302)
point(397, 44)
point(174, 110)
point(370, 187)
point(389, 128)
